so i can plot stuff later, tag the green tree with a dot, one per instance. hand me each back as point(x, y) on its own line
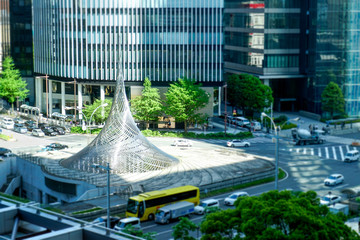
point(183, 101)
point(98, 116)
point(11, 84)
point(129, 229)
point(277, 215)
point(148, 106)
point(248, 93)
point(182, 230)
point(332, 99)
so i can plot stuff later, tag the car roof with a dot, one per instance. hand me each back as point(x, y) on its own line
point(336, 174)
point(352, 151)
point(209, 200)
point(129, 219)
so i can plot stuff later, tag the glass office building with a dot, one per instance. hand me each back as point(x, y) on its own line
point(162, 40)
point(262, 38)
point(335, 51)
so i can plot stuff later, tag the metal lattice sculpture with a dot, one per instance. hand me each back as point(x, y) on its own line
point(120, 143)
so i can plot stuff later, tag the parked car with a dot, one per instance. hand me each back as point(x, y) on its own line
point(182, 143)
point(29, 122)
point(49, 132)
point(334, 179)
point(206, 206)
point(19, 120)
point(7, 123)
point(242, 122)
point(103, 221)
point(37, 133)
point(330, 199)
point(352, 156)
point(230, 200)
point(31, 127)
point(57, 146)
point(256, 126)
point(132, 221)
point(4, 151)
point(20, 128)
point(59, 130)
point(238, 143)
point(230, 119)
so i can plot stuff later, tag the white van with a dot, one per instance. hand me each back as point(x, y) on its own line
point(352, 156)
point(133, 221)
point(205, 205)
point(7, 123)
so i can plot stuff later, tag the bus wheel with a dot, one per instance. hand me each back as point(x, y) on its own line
point(151, 217)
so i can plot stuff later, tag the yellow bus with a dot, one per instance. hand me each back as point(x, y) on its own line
point(145, 204)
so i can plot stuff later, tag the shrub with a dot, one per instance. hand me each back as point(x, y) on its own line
point(288, 126)
point(281, 119)
point(219, 135)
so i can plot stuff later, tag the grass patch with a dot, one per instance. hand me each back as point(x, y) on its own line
point(87, 211)
point(56, 210)
point(281, 175)
point(5, 137)
point(15, 198)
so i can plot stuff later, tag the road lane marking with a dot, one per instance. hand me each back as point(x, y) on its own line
point(297, 150)
point(334, 153)
point(341, 153)
point(304, 151)
point(311, 151)
point(327, 152)
point(347, 148)
point(319, 154)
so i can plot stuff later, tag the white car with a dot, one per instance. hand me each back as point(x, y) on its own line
point(334, 179)
point(205, 205)
point(230, 200)
point(38, 133)
point(7, 123)
point(330, 199)
point(130, 221)
point(182, 143)
point(238, 143)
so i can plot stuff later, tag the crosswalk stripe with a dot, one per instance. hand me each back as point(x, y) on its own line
point(312, 152)
point(319, 152)
point(341, 153)
point(327, 152)
point(304, 151)
point(297, 150)
point(347, 148)
point(334, 153)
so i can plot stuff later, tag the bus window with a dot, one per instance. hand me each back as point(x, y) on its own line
point(141, 209)
point(132, 206)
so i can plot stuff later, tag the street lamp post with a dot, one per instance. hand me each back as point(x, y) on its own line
point(225, 117)
point(277, 131)
point(107, 168)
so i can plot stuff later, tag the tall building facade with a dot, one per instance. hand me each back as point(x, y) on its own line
point(263, 38)
point(91, 42)
point(334, 51)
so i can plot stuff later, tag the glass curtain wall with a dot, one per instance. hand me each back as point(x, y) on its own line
point(159, 39)
point(336, 51)
point(4, 30)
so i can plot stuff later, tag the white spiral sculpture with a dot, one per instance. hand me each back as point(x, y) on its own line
point(120, 143)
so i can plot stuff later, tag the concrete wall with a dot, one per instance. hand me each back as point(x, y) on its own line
point(7, 216)
point(7, 167)
point(33, 181)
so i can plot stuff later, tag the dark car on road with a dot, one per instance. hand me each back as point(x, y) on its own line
point(31, 127)
point(20, 128)
point(29, 122)
point(56, 146)
point(59, 130)
point(49, 132)
point(4, 151)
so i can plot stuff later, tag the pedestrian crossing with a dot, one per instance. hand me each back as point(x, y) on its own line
point(331, 152)
point(250, 140)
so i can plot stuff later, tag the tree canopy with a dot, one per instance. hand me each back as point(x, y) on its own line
point(99, 115)
point(277, 215)
point(332, 99)
point(183, 101)
point(11, 83)
point(148, 106)
point(248, 93)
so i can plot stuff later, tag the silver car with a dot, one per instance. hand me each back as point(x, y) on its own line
point(38, 133)
point(334, 179)
point(238, 143)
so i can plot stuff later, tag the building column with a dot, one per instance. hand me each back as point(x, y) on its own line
point(80, 100)
point(63, 98)
point(50, 97)
point(102, 98)
point(38, 92)
point(219, 100)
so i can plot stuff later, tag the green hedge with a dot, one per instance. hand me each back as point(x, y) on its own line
point(288, 126)
point(219, 135)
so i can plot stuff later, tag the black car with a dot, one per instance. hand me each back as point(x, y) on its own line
point(30, 122)
point(31, 127)
point(56, 146)
point(49, 132)
point(3, 151)
point(59, 130)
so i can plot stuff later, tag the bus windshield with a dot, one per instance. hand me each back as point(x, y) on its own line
point(132, 206)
